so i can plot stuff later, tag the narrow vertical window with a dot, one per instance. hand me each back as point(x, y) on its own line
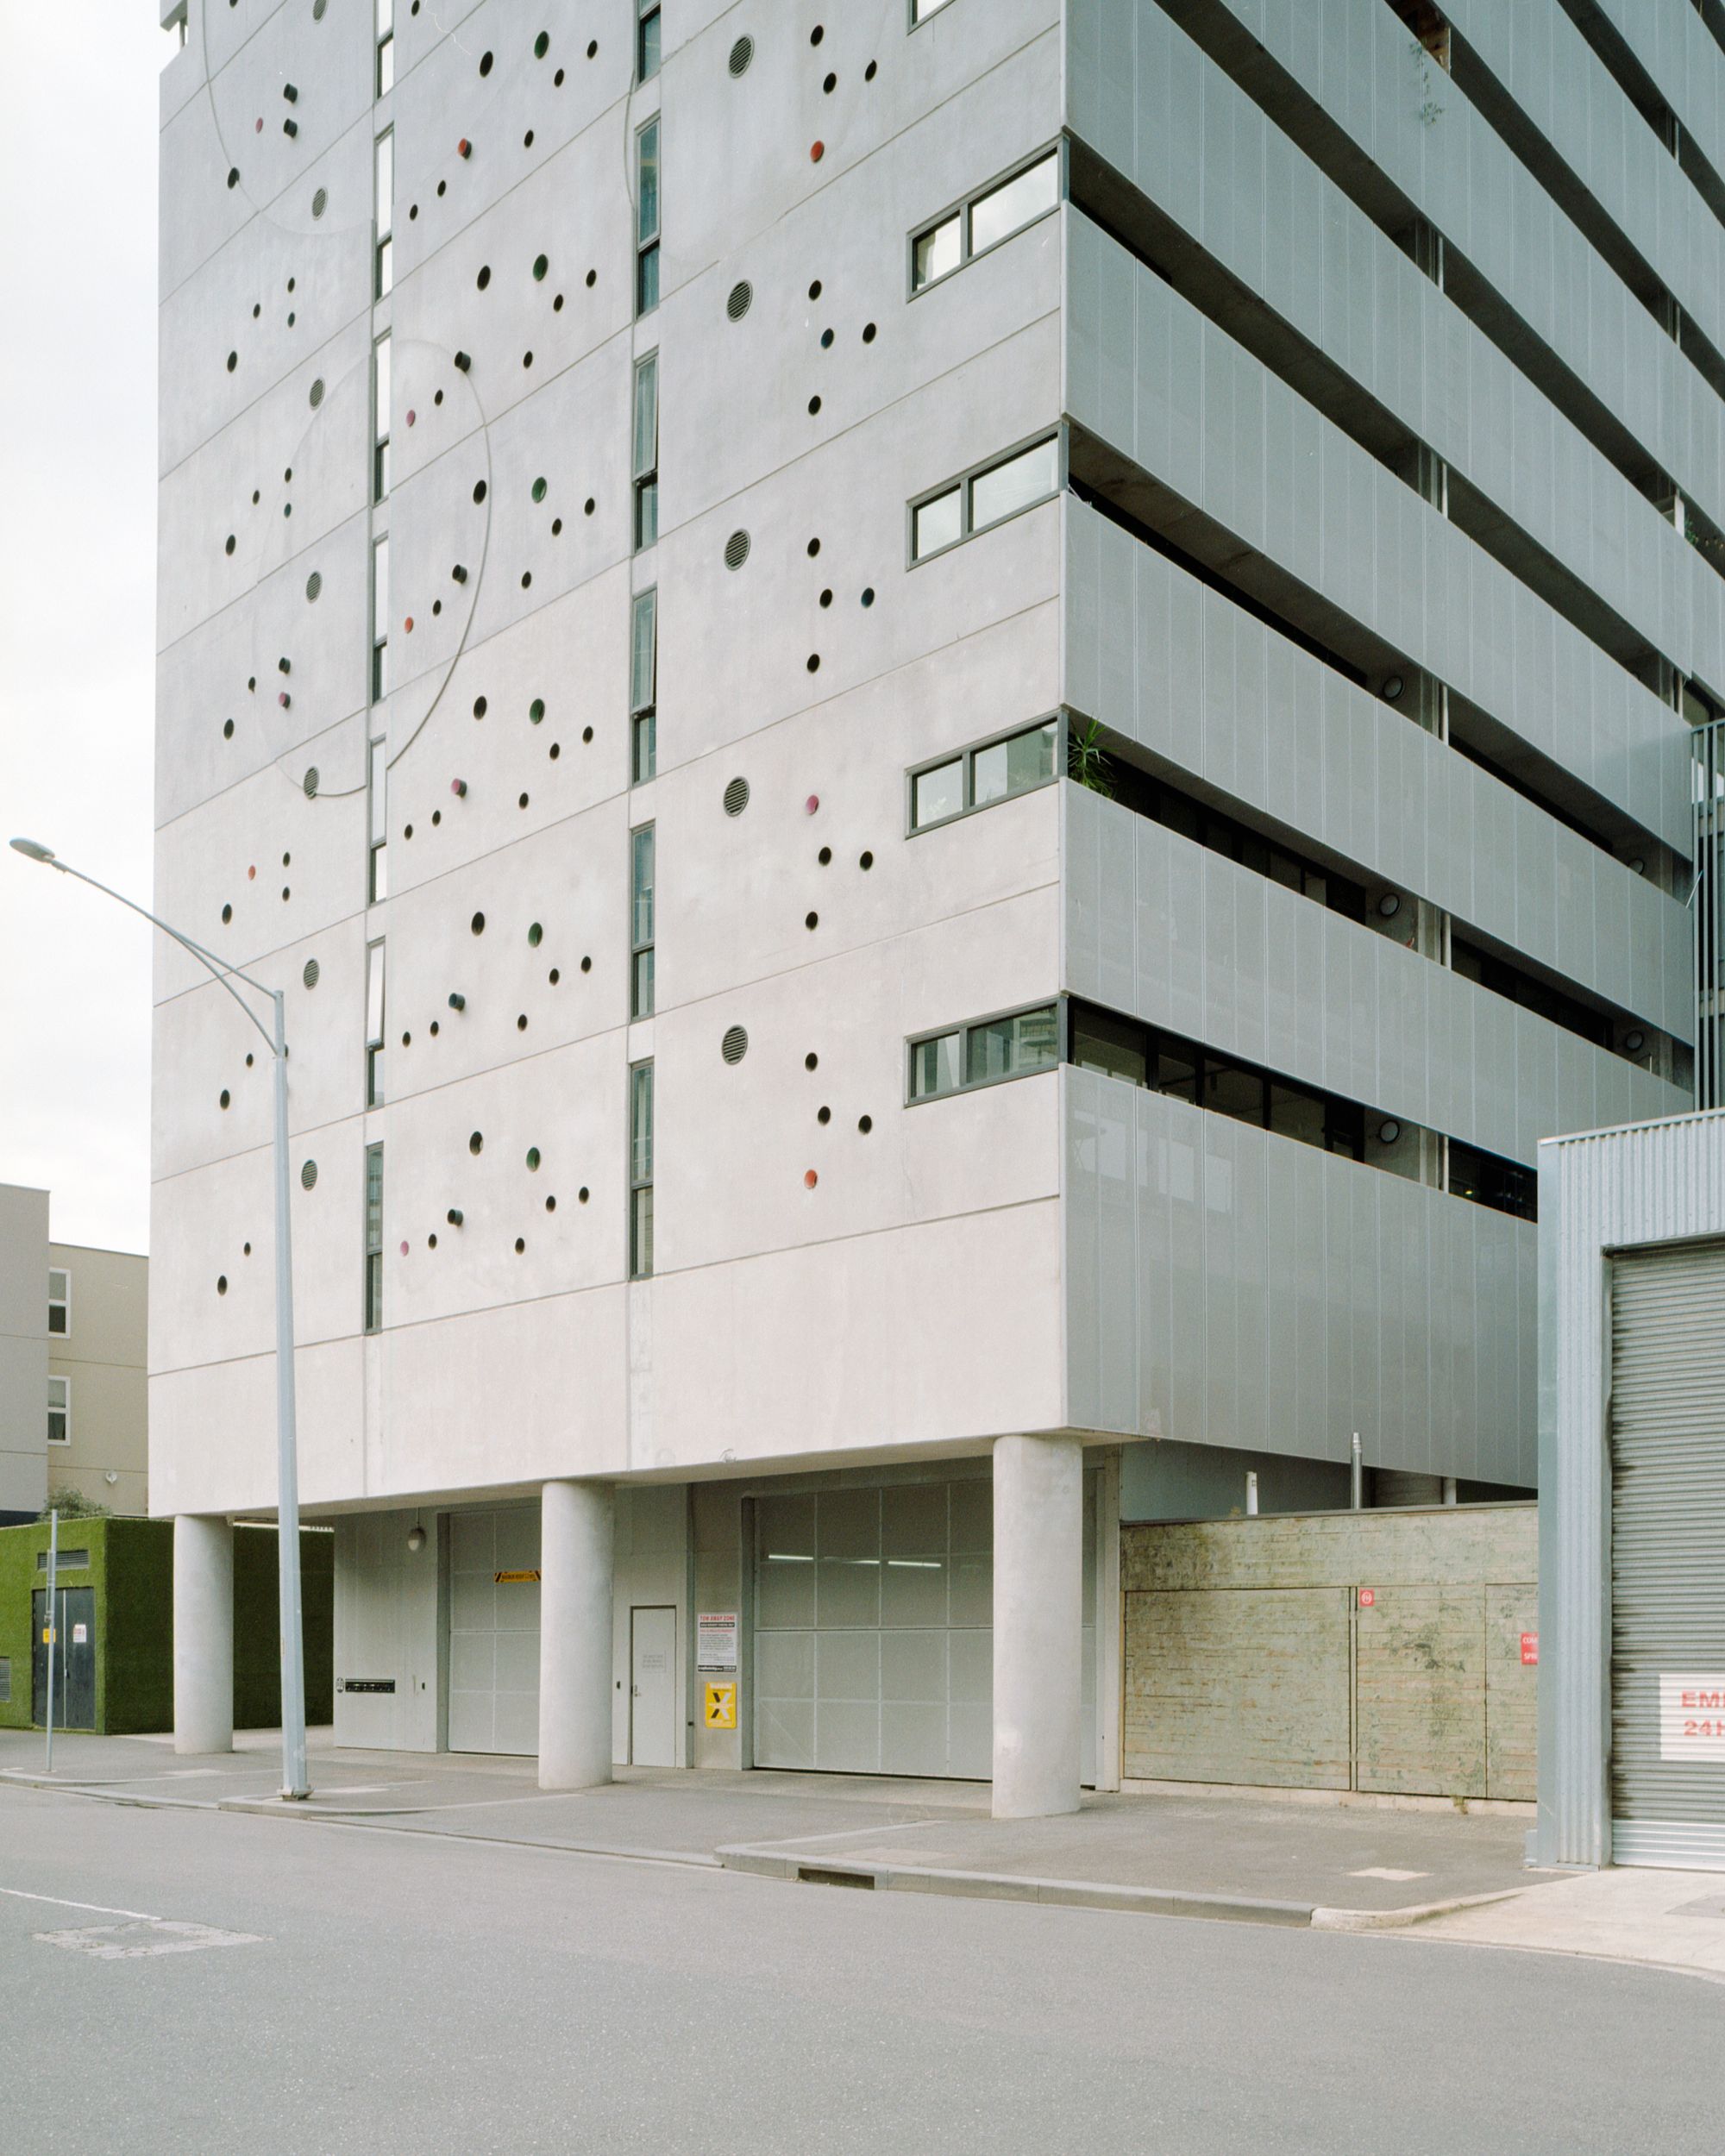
point(643, 687)
point(373, 1239)
point(60, 1302)
point(386, 212)
point(377, 785)
point(647, 219)
point(646, 451)
point(375, 1023)
point(385, 47)
point(380, 618)
point(640, 1171)
point(59, 1411)
point(647, 40)
point(380, 418)
point(641, 923)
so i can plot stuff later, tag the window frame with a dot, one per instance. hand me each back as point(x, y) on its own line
point(1060, 719)
point(377, 978)
point(383, 37)
point(964, 1029)
point(966, 202)
point(965, 480)
point(640, 946)
point(643, 714)
point(372, 1307)
point(647, 11)
point(62, 1302)
point(647, 243)
point(60, 1378)
point(641, 1081)
point(379, 676)
point(644, 474)
point(377, 819)
point(383, 226)
point(915, 21)
point(383, 352)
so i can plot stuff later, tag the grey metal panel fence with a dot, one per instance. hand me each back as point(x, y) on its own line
point(1707, 904)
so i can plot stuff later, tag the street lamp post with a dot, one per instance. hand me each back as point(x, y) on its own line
point(294, 1783)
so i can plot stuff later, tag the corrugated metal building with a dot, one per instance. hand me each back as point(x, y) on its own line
point(1632, 1489)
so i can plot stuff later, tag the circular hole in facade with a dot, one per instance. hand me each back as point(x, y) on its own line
point(811, 1062)
point(734, 1045)
point(825, 857)
point(540, 264)
point(527, 139)
point(233, 361)
point(871, 70)
point(830, 85)
point(554, 751)
point(557, 79)
point(551, 1205)
point(520, 1245)
point(557, 304)
point(867, 595)
point(542, 45)
point(589, 506)
point(865, 861)
point(433, 1029)
point(431, 1242)
point(233, 176)
point(227, 729)
point(870, 333)
point(320, 202)
point(536, 935)
point(814, 406)
point(229, 548)
point(479, 490)
point(827, 340)
point(740, 53)
point(315, 394)
point(314, 585)
point(582, 1194)
point(245, 1249)
point(826, 598)
point(865, 1124)
point(817, 33)
point(539, 490)
point(312, 973)
point(526, 361)
point(592, 279)
point(533, 1157)
point(811, 920)
point(814, 289)
point(443, 187)
point(436, 817)
point(227, 915)
point(592, 49)
point(226, 1098)
point(553, 976)
point(586, 965)
point(814, 663)
point(522, 803)
point(737, 797)
point(481, 707)
point(485, 64)
point(477, 925)
point(740, 300)
point(736, 550)
point(586, 733)
point(823, 1115)
point(535, 711)
point(221, 1284)
point(476, 1142)
point(814, 549)
point(521, 1023)
point(810, 1180)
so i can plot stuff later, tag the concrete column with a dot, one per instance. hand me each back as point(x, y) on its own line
point(202, 1634)
point(575, 1635)
point(1039, 1624)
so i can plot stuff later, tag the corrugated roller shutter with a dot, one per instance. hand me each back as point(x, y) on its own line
point(1668, 1556)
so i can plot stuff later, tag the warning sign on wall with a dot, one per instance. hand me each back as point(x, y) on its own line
point(716, 1642)
point(1692, 1718)
point(1530, 1648)
point(721, 1706)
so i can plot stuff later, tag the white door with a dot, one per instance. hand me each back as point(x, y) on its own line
point(494, 1630)
point(653, 1687)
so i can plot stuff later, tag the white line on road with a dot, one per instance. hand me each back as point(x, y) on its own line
point(95, 1907)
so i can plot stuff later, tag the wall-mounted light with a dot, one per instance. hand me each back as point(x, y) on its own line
point(416, 1538)
point(1389, 1132)
point(1393, 687)
point(1634, 1043)
point(1389, 905)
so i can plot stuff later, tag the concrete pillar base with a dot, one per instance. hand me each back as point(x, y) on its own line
point(575, 1635)
point(202, 1634)
point(1038, 1624)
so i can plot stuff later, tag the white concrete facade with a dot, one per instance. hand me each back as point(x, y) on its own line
point(480, 329)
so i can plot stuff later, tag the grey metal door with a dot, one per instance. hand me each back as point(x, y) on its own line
point(1667, 1420)
point(74, 1685)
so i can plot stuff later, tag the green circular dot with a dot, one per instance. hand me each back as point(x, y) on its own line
point(534, 935)
point(539, 490)
point(536, 710)
point(540, 264)
point(533, 1157)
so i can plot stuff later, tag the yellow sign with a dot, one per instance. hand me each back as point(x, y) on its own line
point(721, 1706)
point(502, 1578)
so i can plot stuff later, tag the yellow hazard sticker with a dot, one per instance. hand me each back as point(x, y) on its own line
point(502, 1579)
point(721, 1706)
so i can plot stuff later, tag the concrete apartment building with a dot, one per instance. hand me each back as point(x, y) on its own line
point(73, 1337)
point(687, 484)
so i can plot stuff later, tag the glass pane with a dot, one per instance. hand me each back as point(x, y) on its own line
point(937, 793)
point(380, 376)
point(921, 9)
point(57, 1319)
point(647, 281)
point(373, 993)
point(645, 762)
point(374, 1199)
point(934, 1066)
point(1005, 1047)
point(1109, 1045)
point(1011, 766)
point(647, 55)
point(1023, 479)
point(375, 1078)
point(641, 985)
point(646, 514)
point(1177, 1069)
point(936, 252)
point(385, 17)
point(641, 1124)
point(379, 888)
point(642, 886)
point(380, 672)
point(647, 417)
point(380, 591)
point(1230, 1091)
point(385, 184)
point(1015, 205)
point(57, 1284)
point(379, 789)
point(643, 652)
point(385, 276)
point(1037, 1039)
point(937, 523)
point(641, 1234)
point(647, 169)
point(1296, 1114)
point(386, 66)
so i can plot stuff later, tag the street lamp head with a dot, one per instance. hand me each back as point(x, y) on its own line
point(31, 850)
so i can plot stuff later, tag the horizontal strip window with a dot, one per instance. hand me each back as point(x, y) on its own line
point(1015, 1045)
point(1166, 1062)
point(959, 235)
point(1474, 965)
point(987, 496)
point(977, 778)
point(921, 9)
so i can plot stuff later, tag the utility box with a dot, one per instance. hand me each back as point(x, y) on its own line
point(114, 1592)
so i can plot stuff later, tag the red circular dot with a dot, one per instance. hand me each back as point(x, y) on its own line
point(404, 1249)
point(412, 417)
point(811, 804)
point(464, 147)
point(408, 624)
point(251, 874)
point(259, 128)
point(816, 152)
point(810, 1179)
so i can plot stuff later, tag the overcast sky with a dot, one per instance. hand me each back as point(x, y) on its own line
point(77, 387)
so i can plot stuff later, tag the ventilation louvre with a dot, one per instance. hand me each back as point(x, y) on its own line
point(308, 1174)
point(312, 972)
point(742, 297)
point(734, 1045)
point(737, 797)
point(740, 53)
point(736, 550)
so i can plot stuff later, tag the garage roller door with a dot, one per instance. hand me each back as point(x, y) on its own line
point(494, 1630)
point(873, 1647)
point(1668, 1556)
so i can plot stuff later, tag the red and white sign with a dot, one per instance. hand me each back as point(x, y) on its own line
point(1530, 1647)
point(1692, 1717)
point(1368, 1597)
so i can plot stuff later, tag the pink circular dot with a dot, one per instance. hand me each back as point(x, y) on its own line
point(259, 128)
point(404, 1249)
point(811, 804)
point(412, 417)
point(408, 624)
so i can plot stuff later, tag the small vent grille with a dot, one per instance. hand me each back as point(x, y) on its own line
point(734, 1045)
point(312, 970)
point(314, 584)
point(736, 550)
point(740, 53)
point(316, 392)
point(320, 202)
point(311, 782)
point(5, 1679)
point(308, 1174)
point(742, 296)
point(737, 797)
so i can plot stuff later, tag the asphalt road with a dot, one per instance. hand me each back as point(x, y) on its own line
point(412, 1993)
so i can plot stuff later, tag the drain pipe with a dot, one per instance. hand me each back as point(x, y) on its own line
point(1356, 1479)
